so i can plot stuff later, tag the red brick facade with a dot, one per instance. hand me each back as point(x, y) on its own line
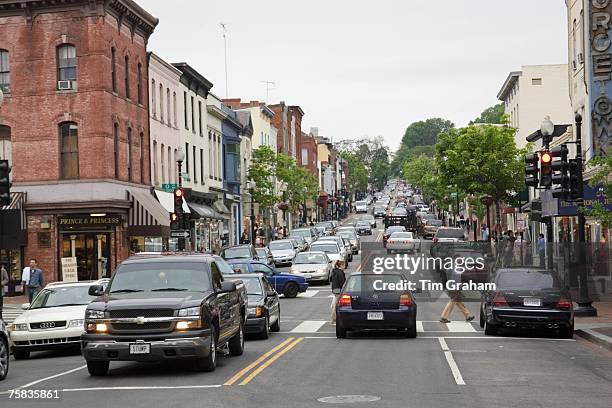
point(287, 119)
point(309, 143)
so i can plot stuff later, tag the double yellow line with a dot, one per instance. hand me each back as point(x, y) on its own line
point(263, 362)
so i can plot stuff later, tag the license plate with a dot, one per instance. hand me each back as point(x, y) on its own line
point(307, 276)
point(138, 348)
point(532, 302)
point(375, 316)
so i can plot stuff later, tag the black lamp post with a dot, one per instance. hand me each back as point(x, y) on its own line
point(183, 222)
point(252, 186)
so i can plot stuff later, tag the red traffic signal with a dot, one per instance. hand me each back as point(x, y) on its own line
point(546, 158)
point(178, 192)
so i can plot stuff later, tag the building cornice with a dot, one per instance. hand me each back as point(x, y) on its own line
point(216, 112)
point(508, 85)
point(193, 80)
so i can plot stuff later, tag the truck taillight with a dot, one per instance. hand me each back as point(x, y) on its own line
point(345, 300)
point(499, 300)
point(406, 300)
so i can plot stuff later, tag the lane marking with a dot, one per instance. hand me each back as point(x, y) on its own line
point(451, 362)
point(460, 327)
point(309, 326)
point(308, 293)
point(248, 368)
point(271, 360)
point(419, 326)
point(161, 387)
point(51, 377)
point(446, 337)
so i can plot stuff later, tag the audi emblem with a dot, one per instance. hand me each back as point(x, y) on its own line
point(47, 325)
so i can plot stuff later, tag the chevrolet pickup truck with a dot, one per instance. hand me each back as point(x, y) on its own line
point(165, 307)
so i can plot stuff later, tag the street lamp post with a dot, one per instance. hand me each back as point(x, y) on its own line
point(283, 189)
point(252, 186)
point(180, 157)
point(305, 213)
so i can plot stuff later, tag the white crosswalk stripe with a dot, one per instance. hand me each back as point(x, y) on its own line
point(309, 326)
point(309, 293)
point(10, 314)
point(314, 326)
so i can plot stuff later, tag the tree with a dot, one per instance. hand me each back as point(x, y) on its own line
point(358, 175)
point(602, 175)
point(425, 133)
point(379, 169)
point(301, 185)
point(263, 172)
point(492, 115)
point(482, 160)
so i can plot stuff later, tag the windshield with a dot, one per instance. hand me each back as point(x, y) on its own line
point(362, 224)
point(300, 233)
point(450, 233)
point(62, 296)
point(237, 253)
point(391, 230)
point(261, 252)
point(347, 234)
point(359, 284)
point(305, 258)
point(524, 280)
point(434, 223)
point(360, 203)
point(252, 285)
point(326, 225)
point(402, 235)
point(327, 248)
point(155, 276)
point(276, 245)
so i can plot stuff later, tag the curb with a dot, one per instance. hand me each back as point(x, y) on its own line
point(596, 338)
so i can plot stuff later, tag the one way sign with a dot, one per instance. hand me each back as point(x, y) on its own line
point(179, 234)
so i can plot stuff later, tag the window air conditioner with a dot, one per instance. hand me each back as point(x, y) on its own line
point(64, 85)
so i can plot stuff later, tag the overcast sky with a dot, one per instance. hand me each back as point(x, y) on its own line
point(360, 67)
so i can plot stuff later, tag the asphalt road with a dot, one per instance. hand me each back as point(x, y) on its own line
point(451, 365)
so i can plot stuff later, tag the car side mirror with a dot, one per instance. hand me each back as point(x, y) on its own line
point(227, 286)
point(95, 290)
point(25, 306)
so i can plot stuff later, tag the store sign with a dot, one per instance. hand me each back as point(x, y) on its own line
point(591, 195)
point(600, 83)
point(87, 221)
point(70, 269)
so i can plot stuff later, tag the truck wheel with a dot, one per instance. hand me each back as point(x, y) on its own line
point(236, 343)
point(98, 368)
point(290, 290)
point(21, 354)
point(209, 363)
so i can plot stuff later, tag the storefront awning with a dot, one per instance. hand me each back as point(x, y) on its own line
point(205, 211)
point(221, 207)
point(147, 216)
point(167, 201)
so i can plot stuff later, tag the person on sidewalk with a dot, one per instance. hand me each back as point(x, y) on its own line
point(4, 281)
point(456, 298)
point(542, 250)
point(337, 282)
point(32, 280)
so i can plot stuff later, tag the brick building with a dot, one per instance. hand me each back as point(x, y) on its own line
point(76, 116)
point(288, 121)
point(308, 156)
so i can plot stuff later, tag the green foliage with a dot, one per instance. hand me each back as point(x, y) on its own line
point(603, 174)
point(358, 175)
point(423, 172)
point(262, 172)
point(492, 115)
point(380, 169)
point(425, 133)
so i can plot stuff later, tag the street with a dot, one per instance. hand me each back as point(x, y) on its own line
point(446, 365)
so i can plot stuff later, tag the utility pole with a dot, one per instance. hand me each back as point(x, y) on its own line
point(224, 28)
point(268, 84)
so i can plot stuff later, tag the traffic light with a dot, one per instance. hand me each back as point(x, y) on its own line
point(574, 185)
point(560, 168)
point(5, 184)
point(174, 221)
point(546, 169)
point(531, 170)
point(176, 217)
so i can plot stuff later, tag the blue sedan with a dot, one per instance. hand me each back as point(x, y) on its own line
point(285, 283)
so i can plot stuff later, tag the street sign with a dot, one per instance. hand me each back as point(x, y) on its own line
point(179, 234)
point(169, 188)
point(453, 195)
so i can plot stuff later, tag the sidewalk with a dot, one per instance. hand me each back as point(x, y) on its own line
point(14, 301)
point(597, 330)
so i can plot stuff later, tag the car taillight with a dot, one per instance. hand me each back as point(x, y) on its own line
point(345, 300)
point(564, 304)
point(406, 300)
point(499, 300)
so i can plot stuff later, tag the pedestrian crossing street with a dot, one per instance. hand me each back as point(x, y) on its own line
point(324, 326)
point(9, 314)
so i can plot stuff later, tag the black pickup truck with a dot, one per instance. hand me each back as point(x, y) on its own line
point(165, 307)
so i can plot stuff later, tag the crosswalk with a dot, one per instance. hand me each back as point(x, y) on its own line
point(323, 326)
point(9, 314)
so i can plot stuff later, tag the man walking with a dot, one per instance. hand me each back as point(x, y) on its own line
point(4, 281)
point(32, 280)
point(337, 282)
point(456, 298)
point(542, 250)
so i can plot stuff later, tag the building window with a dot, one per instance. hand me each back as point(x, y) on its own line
point(192, 116)
point(174, 107)
point(139, 84)
point(153, 99)
point(171, 179)
point(127, 77)
point(66, 63)
point(195, 166)
point(116, 148)
point(219, 158)
point(129, 153)
point(5, 71)
point(210, 162)
point(163, 163)
point(141, 158)
point(304, 156)
point(155, 174)
point(69, 150)
point(161, 103)
point(114, 68)
point(187, 158)
point(200, 117)
point(5, 144)
point(168, 105)
point(185, 109)
point(202, 166)
point(536, 81)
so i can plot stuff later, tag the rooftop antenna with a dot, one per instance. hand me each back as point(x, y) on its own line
point(224, 28)
point(268, 85)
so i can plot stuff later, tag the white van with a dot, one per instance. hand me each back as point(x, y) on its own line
point(361, 207)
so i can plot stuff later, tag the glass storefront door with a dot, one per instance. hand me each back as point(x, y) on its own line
point(91, 251)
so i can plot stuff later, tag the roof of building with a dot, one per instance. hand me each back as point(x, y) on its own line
point(508, 84)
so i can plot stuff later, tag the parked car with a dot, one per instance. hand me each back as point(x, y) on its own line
point(313, 266)
point(285, 283)
point(265, 255)
point(363, 228)
point(403, 242)
point(283, 251)
point(332, 249)
point(448, 234)
point(527, 297)
point(263, 308)
point(4, 351)
point(364, 303)
point(309, 234)
point(351, 234)
point(361, 207)
point(390, 230)
point(430, 228)
point(245, 251)
point(169, 307)
point(54, 319)
point(345, 246)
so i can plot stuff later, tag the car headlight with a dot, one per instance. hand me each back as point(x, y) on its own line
point(190, 311)
point(322, 270)
point(76, 323)
point(19, 327)
point(94, 314)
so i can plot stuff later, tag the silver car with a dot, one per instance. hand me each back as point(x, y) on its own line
point(351, 234)
point(283, 251)
point(314, 266)
point(345, 246)
point(332, 249)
